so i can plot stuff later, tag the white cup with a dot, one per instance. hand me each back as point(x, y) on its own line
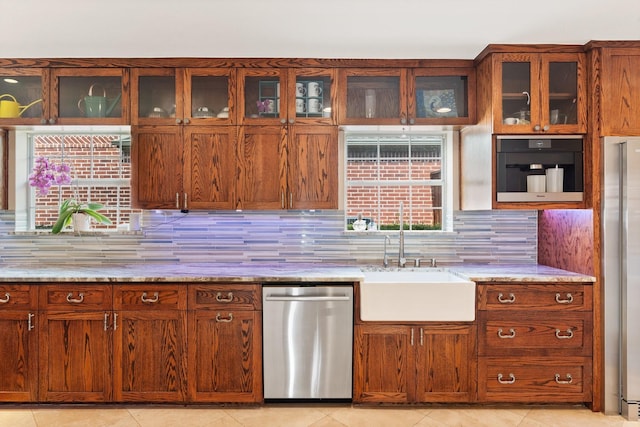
point(511, 121)
point(314, 89)
point(314, 105)
point(301, 89)
point(555, 180)
point(300, 105)
point(536, 183)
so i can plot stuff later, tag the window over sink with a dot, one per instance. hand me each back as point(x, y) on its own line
point(387, 167)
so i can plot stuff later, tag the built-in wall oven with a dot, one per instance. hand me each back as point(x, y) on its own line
point(307, 341)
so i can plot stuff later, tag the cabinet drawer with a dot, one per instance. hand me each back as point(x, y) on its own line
point(538, 334)
point(565, 297)
point(79, 296)
point(534, 380)
point(18, 297)
point(222, 296)
point(150, 297)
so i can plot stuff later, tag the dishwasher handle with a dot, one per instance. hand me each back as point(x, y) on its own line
point(276, 297)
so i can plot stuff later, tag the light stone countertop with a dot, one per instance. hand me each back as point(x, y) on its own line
point(260, 272)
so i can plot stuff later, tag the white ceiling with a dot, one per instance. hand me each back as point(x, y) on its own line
point(302, 28)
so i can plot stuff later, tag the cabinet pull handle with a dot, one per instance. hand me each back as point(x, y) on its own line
point(6, 298)
point(525, 93)
point(567, 300)
point(220, 298)
point(512, 334)
point(115, 321)
point(565, 336)
point(227, 319)
point(177, 200)
point(30, 325)
point(412, 337)
point(569, 379)
point(511, 380)
point(106, 321)
point(156, 297)
point(421, 337)
point(502, 300)
point(73, 300)
point(186, 206)
point(290, 199)
point(282, 199)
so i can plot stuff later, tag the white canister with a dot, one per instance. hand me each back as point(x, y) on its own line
point(536, 183)
point(555, 179)
point(135, 221)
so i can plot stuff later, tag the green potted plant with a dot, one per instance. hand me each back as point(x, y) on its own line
point(70, 209)
point(46, 174)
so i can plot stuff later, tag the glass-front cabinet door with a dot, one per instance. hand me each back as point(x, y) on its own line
point(157, 96)
point(311, 95)
point(261, 94)
point(441, 96)
point(89, 96)
point(540, 93)
point(373, 96)
point(22, 96)
point(209, 96)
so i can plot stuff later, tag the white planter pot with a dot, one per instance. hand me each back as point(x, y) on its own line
point(81, 222)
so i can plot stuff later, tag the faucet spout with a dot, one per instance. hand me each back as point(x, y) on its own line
point(401, 258)
point(385, 259)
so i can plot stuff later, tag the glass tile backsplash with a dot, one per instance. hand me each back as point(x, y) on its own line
point(495, 237)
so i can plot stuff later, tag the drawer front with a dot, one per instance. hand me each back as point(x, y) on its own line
point(535, 334)
point(80, 296)
point(18, 297)
point(150, 297)
point(534, 380)
point(556, 297)
point(223, 296)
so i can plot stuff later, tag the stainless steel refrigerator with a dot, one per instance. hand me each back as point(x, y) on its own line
point(621, 269)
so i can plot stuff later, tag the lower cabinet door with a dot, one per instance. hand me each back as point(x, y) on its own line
point(149, 356)
point(75, 355)
point(566, 379)
point(18, 347)
point(225, 356)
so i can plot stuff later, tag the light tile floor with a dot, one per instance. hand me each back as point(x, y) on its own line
point(305, 415)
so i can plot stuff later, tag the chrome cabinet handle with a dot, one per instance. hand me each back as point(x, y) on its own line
point(73, 300)
point(185, 205)
point(511, 380)
point(411, 336)
point(567, 300)
point(106, 322)
point(115, 321)
point(177, 200)
point(421, 337)
point(564, 336)
point(220, 298)
point(502, 300)
point(569, 379)
point(30, 325)
point(221, 319)
point(186, 121)
point(512, 334)
point(5, 299)
point(145, 299)
point(282, 199)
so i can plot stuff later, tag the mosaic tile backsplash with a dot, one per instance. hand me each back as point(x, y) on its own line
point(289, 236)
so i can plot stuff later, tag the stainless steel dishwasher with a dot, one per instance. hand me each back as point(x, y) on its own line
point(307, 341)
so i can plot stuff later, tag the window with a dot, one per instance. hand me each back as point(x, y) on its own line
point(100, 169)
point(408, 169)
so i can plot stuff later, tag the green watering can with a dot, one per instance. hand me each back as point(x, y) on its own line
point(96, 105)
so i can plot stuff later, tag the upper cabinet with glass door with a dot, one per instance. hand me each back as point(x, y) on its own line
point(539, 93)
point(22, 95)
point(407, 96)
point(311, 96)
point(89, 96)
point(190, 96)
point(261, 94)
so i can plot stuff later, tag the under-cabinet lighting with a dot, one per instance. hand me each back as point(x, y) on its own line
point(9, 80)
point(443, 110)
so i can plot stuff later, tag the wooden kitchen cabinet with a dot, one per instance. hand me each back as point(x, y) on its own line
point(26, 86)
point(407, 96)
point(150, 343)
point(190, 167)
point(535, 342)
point(288, 167)
point(225, 356)
point(414, 363)
point(533, 92)
point(18, 343)
point(75, 343)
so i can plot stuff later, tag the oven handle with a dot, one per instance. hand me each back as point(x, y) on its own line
point(276, 297)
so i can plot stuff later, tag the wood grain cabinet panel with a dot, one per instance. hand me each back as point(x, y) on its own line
point(18, 343)
point(620, 94)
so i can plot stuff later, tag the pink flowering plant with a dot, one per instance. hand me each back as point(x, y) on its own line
point(46, 174)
